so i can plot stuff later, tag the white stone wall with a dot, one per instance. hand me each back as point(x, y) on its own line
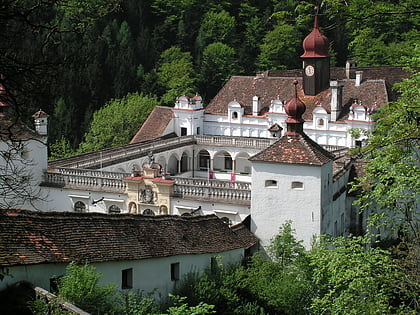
point(273, 205)
point(148, 274)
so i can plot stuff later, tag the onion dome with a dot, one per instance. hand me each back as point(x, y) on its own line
point(40, 114)
point(315, 44)
point(295, 108)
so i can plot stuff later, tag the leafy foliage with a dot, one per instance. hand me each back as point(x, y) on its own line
point(354, 278)
point(117, 122)
point(390, 185)
point(80, 287)
point(175, 74)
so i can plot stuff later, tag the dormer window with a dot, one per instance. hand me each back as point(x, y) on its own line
point(235, 115)
point(320, 122)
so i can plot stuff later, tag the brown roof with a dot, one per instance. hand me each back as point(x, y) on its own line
point(294, 149)
point(155, 124)
point(32, 237)
point(374, 89)
point(15, 130)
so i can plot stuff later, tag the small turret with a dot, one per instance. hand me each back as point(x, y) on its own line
point(41, 122)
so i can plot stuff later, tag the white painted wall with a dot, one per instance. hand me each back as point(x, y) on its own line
point(272, 206)
point(148, 274)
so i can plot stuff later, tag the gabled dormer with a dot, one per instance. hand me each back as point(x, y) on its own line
point(235, 112)
point(185, 102)
point(277, 106)
point(320, 117)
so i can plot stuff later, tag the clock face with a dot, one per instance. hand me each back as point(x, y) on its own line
point(309, 71)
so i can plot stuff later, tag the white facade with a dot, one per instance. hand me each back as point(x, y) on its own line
point(147, 275)
point(283, 192)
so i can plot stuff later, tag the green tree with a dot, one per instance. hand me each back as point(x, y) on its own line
point(61, 149)
point(352, 277)
point(80, 287)
point(218, 64)
point(117, 122)
point(215, 27)
point(175, 73)
point(283, 283)
point(279, 49)
point(389, 189)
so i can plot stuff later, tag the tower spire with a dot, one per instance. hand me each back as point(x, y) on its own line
point(295, 109)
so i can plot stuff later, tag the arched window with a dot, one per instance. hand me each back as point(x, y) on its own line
point(226, 220)
point(114, 209)
point(79, 206)
point(320, 122)
point(148, 212)
point(132, 207)
point(235, 115)
point(163, 209)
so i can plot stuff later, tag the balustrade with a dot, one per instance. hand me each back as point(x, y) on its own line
point(85, 182)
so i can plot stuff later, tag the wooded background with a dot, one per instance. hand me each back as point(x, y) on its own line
point(74, 57)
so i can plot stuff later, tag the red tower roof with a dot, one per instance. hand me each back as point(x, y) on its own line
point(315, 44)
point(295, 108)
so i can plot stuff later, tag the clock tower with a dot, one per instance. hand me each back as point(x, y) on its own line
point(316, 61)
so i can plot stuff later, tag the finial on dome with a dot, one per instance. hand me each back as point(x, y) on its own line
point(316, 9)
point(315, 45)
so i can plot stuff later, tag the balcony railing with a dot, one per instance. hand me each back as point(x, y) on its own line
point(198, 188)
point(86, 182)
point(227, 191)
point(237, 142)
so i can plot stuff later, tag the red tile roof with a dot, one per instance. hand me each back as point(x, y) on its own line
point(294, 149)
point(33, 237)
point(155, 124)
point(376, 88)
point(243, 88)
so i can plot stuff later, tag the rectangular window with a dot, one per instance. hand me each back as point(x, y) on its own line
point(213, 265)
point(271, 183)
point(175, 271)
point(127, 278)
point(198, 130)
point(183, 131)
point(297, 185)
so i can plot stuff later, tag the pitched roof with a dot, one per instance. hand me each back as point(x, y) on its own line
point(294, 149)
point(155, 124)
point(15, 130)
point(32, 237)
point(374, 89)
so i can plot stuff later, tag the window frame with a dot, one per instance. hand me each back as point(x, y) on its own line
point(127, 278)
point(175, 271)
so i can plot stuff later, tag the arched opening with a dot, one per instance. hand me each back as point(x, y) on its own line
point(184, 162)
point(204, 160)
point(235, 115)
point(242, 164)
point(163, 209)
point(223, 161)
point(79, 206)
point(132, 207)
point(148, 212)
point(114, 209)
point(320, 122)
point(172, 167)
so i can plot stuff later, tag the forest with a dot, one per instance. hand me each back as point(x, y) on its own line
point(99, 67)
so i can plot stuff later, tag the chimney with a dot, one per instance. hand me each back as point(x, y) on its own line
point(255, 106)
point(336, 99)
point(41, 122)
point(351, 66)
point(359, 78)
